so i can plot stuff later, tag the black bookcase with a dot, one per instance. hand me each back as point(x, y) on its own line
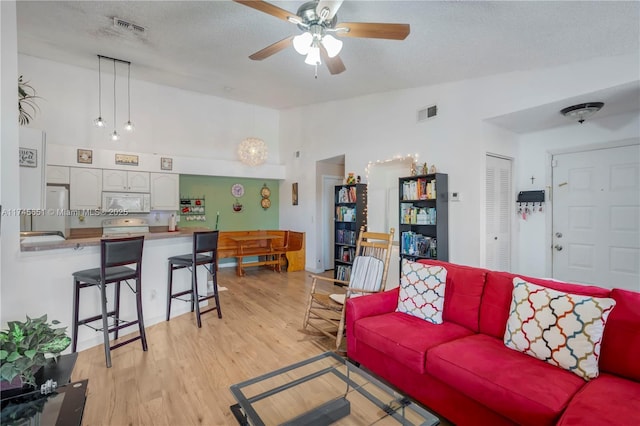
point(350, 214)
point(424, 217)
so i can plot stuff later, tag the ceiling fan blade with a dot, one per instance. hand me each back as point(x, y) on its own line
point(374, 30)
point(268, 8)
point(331, 5)
point(272, 49)
point(335, 64)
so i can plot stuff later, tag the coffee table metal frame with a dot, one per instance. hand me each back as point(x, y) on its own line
point(246, 414)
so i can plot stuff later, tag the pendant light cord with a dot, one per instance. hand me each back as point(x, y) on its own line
point(99, 88)
point(129, 92)
point(114, 95)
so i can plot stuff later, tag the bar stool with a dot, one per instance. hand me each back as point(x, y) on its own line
point(205, 252)
point(115, 254)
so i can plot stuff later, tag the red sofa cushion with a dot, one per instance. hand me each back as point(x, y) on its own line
point(496, 299)
point(607, 400)
point(620, 351)
point(406, 338)
point(521, 388)
point(462, 294)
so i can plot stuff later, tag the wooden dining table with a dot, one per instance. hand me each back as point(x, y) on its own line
point(249, 245)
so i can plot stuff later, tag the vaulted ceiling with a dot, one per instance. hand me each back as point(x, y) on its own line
point(204, 45)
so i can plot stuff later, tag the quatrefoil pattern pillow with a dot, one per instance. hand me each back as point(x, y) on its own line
point(562, 329)
point(422, 291)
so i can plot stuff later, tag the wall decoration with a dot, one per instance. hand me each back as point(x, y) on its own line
point(237, 190)
point(85, 156)
point(126, 160)
point(237, 206)
point(28, 157)
point(166, 163)
point(265, 193)
point(294, 193)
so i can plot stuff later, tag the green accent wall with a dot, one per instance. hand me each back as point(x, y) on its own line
point(216, 191)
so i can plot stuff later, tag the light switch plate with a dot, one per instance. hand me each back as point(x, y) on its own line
point(455, 196)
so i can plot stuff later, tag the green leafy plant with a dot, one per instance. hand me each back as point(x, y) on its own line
point(27, 106)
point(25, 346)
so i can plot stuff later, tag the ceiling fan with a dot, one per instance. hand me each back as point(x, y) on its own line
point(318, 21)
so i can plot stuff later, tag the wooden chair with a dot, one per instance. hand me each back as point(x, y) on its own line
point(325, 312)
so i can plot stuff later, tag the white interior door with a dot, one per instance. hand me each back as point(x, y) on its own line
point(596, 217)
point(498, 213)
point(328, 236)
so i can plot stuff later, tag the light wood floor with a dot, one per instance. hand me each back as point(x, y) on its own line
point(184, 377)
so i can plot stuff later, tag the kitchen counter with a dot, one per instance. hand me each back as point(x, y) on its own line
point(77, 243)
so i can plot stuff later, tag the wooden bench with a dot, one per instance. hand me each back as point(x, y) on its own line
point(270, 246)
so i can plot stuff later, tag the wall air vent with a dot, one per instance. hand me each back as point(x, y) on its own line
point(426, 113)
point(125, 25)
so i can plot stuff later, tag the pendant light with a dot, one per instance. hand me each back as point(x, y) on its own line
point(99, 122)
point(114, 136)
point(128, 126)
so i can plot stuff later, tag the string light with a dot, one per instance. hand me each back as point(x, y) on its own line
point(412, 157)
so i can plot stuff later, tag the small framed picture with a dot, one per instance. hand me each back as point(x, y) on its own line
point(294, 193)
point(126, 160)
point(28, 157)
point(166, 163)
point(85, 156)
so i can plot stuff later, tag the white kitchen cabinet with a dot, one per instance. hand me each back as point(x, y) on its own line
point(165, 191)
point(85, 188)
point(58, 174)
point(125, 181)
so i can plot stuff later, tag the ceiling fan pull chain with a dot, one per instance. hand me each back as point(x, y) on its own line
point(316, 73)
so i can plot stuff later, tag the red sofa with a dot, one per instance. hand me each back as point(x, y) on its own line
point(462, 370)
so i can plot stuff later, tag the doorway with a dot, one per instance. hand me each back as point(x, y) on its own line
point(596, 217)
point(328, 235)
point(498, 213)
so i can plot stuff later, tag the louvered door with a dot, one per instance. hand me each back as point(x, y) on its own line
point(498, 196)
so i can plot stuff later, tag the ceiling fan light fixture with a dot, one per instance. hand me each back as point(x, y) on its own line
point(302, 42)
point(581, 112)
point(332, 44)
point(313, 57)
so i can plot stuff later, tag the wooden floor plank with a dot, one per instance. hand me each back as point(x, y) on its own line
point(184, 377)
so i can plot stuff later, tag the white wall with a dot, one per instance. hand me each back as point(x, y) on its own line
point(168, 121)
point(382, 126)
point(534, 153)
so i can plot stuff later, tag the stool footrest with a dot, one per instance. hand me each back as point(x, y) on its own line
point(133, 339)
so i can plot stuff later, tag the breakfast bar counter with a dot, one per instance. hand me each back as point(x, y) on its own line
point(77, 243)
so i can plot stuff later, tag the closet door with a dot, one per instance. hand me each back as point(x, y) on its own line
point(498, 199)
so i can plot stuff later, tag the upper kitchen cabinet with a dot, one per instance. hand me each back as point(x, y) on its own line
point(31, 160)
point(58, 175)
point(125, 181)
point(85, 188)
point(165, 191)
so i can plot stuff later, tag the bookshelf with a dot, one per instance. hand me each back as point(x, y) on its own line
point(424, 217)
point(350, 209)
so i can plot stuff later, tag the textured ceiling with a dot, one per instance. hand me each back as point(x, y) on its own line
point(204, 46)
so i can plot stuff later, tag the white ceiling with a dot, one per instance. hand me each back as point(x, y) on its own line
point(204, 46)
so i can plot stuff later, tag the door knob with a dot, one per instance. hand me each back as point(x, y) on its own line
point(558, 247)
point(559, 234)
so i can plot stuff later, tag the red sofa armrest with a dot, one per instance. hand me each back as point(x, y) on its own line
point(367, 306)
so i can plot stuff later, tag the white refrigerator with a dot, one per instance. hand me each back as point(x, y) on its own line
point(57, 209)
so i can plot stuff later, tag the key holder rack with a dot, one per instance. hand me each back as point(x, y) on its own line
point(530, 202)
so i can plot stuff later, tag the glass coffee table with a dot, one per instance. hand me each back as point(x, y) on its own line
point(323, 390)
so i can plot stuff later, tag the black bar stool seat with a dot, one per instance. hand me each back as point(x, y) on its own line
point(205, 252)
point(115, 255)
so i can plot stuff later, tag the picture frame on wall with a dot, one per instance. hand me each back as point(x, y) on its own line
point(28, 157)
point(166, 163)
point(126, 160)
point(294, 193)
point(85, 156)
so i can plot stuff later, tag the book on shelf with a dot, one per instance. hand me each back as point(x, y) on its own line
point(347, 195)
point(419, 189)
point(345, 214)
point(414, 244)
point(343, 272)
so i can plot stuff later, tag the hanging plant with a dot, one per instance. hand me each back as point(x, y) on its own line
point(27, 106)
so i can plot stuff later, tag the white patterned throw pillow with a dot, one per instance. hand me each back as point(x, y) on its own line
point(422, 291)
point(560, 328)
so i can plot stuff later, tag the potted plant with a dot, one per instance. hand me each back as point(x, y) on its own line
point(27, 346)
point(27, 106)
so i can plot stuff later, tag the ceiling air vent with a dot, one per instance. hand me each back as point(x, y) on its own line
point(125, 25)
point(426, 113)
